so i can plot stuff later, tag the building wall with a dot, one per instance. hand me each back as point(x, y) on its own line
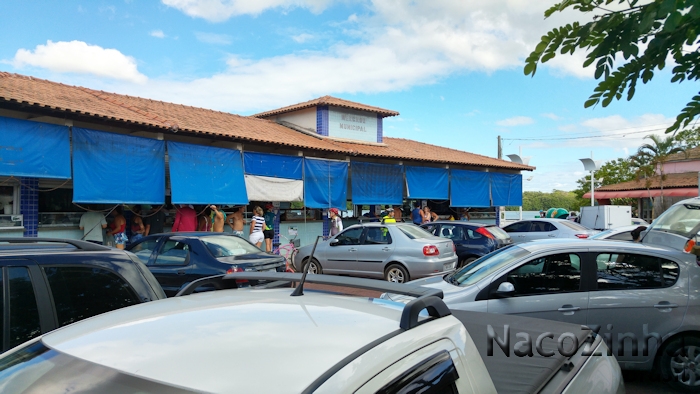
point(305, 118)
point(681, 167)
point(353, 125)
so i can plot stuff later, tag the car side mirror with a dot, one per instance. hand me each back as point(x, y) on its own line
point(334, 242)
point(505, 289)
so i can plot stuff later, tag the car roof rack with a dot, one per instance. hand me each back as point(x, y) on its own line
point(10, 243)
point(426, 297)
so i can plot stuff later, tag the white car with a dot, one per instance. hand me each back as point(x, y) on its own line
point(264, 341)
point(533, 229)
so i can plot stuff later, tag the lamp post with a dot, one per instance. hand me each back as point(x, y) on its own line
point(522, 160)
point(592, 166)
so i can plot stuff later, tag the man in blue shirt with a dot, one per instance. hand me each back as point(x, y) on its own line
point(415, 214)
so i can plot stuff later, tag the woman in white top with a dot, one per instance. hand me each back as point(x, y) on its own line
point(256, 227)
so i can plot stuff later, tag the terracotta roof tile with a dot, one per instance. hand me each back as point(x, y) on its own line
point(690, 154)
point(685, 179)
point(327, 100)
point(169, 116)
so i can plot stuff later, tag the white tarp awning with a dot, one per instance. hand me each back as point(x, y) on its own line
point(263, 188)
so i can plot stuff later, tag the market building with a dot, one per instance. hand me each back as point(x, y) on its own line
point(64, 147)
point(680, 181)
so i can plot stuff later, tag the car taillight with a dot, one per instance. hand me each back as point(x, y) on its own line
point(454, 248)
point(430, 250)
point(485, 233)
point(689, 246)
point(236, 269)
point(582, 236)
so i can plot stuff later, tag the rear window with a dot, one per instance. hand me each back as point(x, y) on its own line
point(225, 246)
point(413, 231)
point(573, 225)
point(498, 232)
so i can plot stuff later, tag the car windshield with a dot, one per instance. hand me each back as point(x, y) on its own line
point(227, 245)
point(38, 369)
point(487, 265)
point(498, 232)
point(414, 232)
point(574, 225)
point(680, 219)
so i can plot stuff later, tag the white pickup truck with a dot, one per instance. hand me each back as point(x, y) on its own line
point(264, 341)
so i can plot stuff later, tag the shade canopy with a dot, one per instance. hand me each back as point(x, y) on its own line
point(427, 183)
point(325, 183)
point(273, 165)
point(469, 189)
point(206, 175)
point(34, 149)
point(675, 192)
point(506, 189)
point(111, 168)
point(374, 183)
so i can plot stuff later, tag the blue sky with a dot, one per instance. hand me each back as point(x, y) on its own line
point(452, 68)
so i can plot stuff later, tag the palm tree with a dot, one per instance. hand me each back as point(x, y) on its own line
point(651, 157)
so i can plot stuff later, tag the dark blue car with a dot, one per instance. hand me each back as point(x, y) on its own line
point(472, 240)
point(176, 259)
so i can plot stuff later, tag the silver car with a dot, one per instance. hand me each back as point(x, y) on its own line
point(530, 230)
point(395, 252)
point(622, 233)
point(640, 298)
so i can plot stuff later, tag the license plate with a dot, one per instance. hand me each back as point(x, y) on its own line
point(448, 267)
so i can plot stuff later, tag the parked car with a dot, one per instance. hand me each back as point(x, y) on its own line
point(394, 252)
point(621, 289)
point(472, 240)
point(176, 259)
point(530, 230)
point(623, 233)
point(677, 227)
point(50, 283)
point(639, 222)
point(264, 341)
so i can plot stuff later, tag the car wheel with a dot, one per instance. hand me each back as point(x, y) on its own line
point(290, 264)
point(680, 363)
point(396, 273)
point(466, 261)
point(314, 267)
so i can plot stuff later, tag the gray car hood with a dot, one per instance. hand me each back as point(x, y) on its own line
point(449, 290)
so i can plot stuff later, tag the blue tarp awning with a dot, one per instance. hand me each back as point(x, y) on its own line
point(325, 183)
point(427, 183)
point(374, 183)
point(273, 165)
point(506, 189)
point(34, 149)
point(469, 189)
point(206, 175)
point(113, 168)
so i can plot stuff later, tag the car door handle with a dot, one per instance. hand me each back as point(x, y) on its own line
point(181, 272)
point(352, 250)
point(551, 235)
point(387, 249)
point(665, 304)
point(569, 308)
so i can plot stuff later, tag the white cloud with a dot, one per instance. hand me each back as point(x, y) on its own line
point(302, 38)
point(157, 33)
point(221, 10)
point(79, 57)
point(515, 121)
point(213, 38)
point(551, 116)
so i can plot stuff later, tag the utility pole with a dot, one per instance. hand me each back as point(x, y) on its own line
point(500, 149)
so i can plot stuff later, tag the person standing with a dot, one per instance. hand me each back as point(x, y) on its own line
point(235, 221)
point(269, 231)
point(256, 227)
point(398, 213)
point(219, 219)
point(154, 222)
point(336, 222)
point(428, 216)
point(204, 220)
point(389, 218)
point(417, 214)
point(92, 224)
point(117, 228)
point(185, 219)
point(137, 227)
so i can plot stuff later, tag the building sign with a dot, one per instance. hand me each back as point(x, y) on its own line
point(352, 125)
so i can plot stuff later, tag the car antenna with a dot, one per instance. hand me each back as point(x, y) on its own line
point(299, 290)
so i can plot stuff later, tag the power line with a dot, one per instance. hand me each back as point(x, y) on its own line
point(580, 138)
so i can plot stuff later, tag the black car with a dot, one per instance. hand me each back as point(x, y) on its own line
point(50, 283)
point(472, 240)
point(176, 259)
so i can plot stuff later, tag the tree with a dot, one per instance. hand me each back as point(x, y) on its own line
point(651, 158)
point(689, 139)
point(659, 28)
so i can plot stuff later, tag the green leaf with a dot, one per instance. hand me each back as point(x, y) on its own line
point(672, 21)
point(666, 7)
point(647, 19)
point(590, 102)
point(530, 68)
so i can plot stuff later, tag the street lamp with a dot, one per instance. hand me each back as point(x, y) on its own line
point(592, 166)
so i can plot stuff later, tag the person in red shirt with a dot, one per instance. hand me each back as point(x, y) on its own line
point(185, 219)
